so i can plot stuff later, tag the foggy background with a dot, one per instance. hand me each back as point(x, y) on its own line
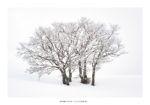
point(22, 23)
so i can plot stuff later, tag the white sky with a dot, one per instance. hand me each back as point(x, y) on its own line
point(22, 23)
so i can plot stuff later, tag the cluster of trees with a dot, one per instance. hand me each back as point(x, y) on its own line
point(70, 47)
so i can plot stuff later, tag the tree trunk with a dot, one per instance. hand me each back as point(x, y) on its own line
point(93, 76)
point(67, 80)
point(63, 78)
point(80, 71)
point(84, 72)
point(70, 75)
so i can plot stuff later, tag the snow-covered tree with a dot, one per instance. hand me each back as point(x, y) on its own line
point(49, 50)
point(70, 46)
point(106, 45)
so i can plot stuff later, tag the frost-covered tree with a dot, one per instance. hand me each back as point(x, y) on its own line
point(84, 47)
point(69, 47)
point(49, 50)
point(106, 45)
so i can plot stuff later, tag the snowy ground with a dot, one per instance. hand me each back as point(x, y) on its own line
point(25, 85)
point(120, 78)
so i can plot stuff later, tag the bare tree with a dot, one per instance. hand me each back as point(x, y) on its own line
point(70, 46)
point(97, 43)
point(47, 51)
point(107, 46)
point(86, 45)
